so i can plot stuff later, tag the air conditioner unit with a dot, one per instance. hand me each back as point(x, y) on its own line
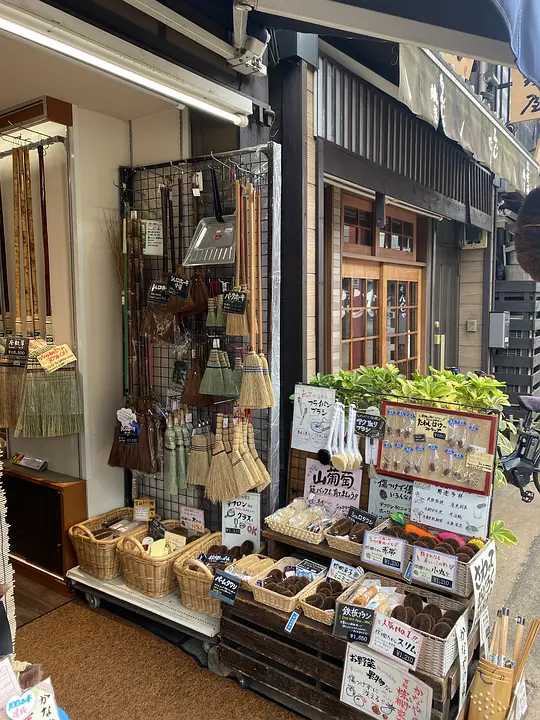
point(472, 238)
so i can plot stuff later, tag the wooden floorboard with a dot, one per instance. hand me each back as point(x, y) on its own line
point(34, 599)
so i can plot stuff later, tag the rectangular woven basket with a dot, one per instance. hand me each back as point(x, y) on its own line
point(99, 558)
point(342, 542)
point(194, 578)
point(153, 577)
point(286, 529)
point(248, 567)
point(275, 600)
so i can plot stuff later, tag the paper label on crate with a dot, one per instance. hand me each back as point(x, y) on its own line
point(384, 551)
point(379, 688)
point(175, 541)
point(152, 236)
point(485, 632)
point(396, 640)
point(483, 569)
point(191, 518)
point(460, 628)
point(314, 408)
point(241, 521)
point(225, 587)
point(437, 569)
point(461, 512)
point(343, 573)
point(432, 425)
point(335, 490)
point(353, 623)
point(479, 459)
point(57, 357)
point(388, 495)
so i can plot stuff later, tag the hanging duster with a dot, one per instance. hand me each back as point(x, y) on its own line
point(219, 315)
point(220, 486)
point(181, 479)
point(212, 382)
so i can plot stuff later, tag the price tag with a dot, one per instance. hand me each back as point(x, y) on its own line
point(460, 629)
point(371, 426)
point(225, 587)
point(384, 551)
point(291, 622)
point(17, 348)
point(152, 232)
point(218, 559)
point(485, 632)
point(353, 623)
point(158, 292)
point(178, 286)
point(483, 569)
point(235, 302)
point(241, 520)
point(361, 516)
point(434, 568)
point(310, 569)
point(57, 357)
point(144, 509)
point(343, 573)
point(396, 640)
point(479, 459)
point(432, 425)
point(175, 541)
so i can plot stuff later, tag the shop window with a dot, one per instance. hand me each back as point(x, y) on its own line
point(357, 225)
point(402, 331)
point(397, 235)
point(360, 340)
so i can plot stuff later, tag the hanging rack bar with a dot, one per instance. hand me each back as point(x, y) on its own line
point(35, 145)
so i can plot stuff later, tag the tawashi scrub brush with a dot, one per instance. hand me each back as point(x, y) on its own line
point(220, 484)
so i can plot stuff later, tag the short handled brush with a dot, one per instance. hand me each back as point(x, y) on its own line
point(324, 455)
point(340, 459)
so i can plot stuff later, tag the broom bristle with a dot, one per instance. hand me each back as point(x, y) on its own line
point(243, 482)
point(11, 379)
point(237, 325)
point(253, 393)
point(247, 457)
point(220, 317)
point(267, 379)
point(197, 468)
point(263, 472)
point(230, 387)
point(180, 456)
point(220, 485)
point(212, 382)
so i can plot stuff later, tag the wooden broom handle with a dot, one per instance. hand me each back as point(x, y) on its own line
point(44, 231)
point(16, 239)
point(252, 280)
point(258, 250)
point(3, 259)
point(237, 231)
point(31, 240)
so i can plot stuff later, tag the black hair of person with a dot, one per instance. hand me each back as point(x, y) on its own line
point(527, 239)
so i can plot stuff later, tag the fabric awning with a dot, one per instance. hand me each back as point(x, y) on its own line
point(433, 92)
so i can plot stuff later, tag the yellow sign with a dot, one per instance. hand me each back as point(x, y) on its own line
point(524, 98)
point(57, 357)
point(432, 425)
point(461, 65)
point(480, 459)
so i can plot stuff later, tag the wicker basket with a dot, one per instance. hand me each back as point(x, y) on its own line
point(99, 557)
point(285, 529)
point(194, 578)
point(342, 542)
point(437, 654)
point(326, 617)
point(151, 576)
point(250, 566)
point(463, 586)
point(275, 600)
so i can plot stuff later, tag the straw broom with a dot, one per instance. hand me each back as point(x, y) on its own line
point(243, 481)
point(220, 485)
point(230, 388)
point(213, 382)
point(180, 452)
point(198, 465)
point(236, 324)
point(263, 472)
point(256, 479)
point(258, 250)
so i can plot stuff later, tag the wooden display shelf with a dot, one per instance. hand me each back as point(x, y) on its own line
point(303, 670)
point(279, 543)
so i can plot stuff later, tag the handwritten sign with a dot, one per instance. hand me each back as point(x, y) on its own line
point(389, 495)
point(353, 623)
point(483, 569)
point(224, 587)
point(361, 516)
point(57, 357)
point(37, 703)
point(449, 509)
point(191, 518)
point(396, 640)
point(144, 509)
point(460, 629)
point(480, 459)
point(437, 569)
point(485, 632)
point(241, 520)
point(371, 426)
point(333, 489)
point(524, 98)
point(21, 707)
point(152, 232)
point(9, 685)
point(380, 688)
point(432, 425)
point(314, 408)
point(343, 573)
point(384, 551)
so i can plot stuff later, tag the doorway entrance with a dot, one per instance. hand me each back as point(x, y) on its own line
point(445, 292)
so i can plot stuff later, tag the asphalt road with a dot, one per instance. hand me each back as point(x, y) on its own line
point(518, 575)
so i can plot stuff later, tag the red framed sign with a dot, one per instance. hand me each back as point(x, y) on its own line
point(443, 447)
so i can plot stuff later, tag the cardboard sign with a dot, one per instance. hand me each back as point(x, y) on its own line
point(225, 587)
point(524, 98)
point(384, 551)
point(361, 516)
point(460, 629)
point(191, 518)
point(314, 408)
point(396, 640)
point(152, 232)
point(448, 509)
point(57, 357)
point(434, 568)
point(333, 489)
point(241, 520)
point(380, 688)
point(431, 425)
point(353, 623)
point(483, 569)
point(389, 495)
point(343, 573)
point(371, 426)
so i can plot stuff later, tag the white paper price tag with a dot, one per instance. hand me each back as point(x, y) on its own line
point(434, 568)
point(460, 629)
point(483, 569)
point(191, 518)
point(343, 573)
point(384, 551)
point(396, 640)
point(485, 632)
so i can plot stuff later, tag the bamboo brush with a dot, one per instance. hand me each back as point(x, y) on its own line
point(263, 472)
point(520, 626)
point(181, 480)
point(340, 459)
point(494, 649)
point(169, 458)
point(220, 486)
point(243, 481)
point(256, 478)
point(534, 628)
point(236, 323)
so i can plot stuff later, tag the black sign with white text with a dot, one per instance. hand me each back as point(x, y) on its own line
point(225, 587)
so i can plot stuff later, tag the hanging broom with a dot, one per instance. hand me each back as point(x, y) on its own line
point(258, 263)
point(256, 478)
point(263, 472)
point(169, 458)
point(220, 485)
point(180, 452)
point(230, 388)
point(211, 317)
point(243, 481)
point(236, 323)
point(213, 382)
point(219, 315)
point(198, 465)
point(191, 395)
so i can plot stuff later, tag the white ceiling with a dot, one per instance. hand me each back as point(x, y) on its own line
point(30, 71)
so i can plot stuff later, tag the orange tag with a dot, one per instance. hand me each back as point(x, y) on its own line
point(57, 357)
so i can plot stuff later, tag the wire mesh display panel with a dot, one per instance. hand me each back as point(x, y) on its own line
point(189, 184)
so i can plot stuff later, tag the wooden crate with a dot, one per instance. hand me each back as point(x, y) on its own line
point(302, 670)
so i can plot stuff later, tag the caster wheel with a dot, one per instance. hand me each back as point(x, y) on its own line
point(93, 601)
point(244, 683)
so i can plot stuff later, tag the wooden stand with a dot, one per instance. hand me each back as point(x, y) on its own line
point(303, 670)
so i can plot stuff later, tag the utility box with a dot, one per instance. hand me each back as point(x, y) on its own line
point(499, 329)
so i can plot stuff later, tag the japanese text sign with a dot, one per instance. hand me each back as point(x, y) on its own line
point(343, 573)
point(336, 490)
point(430, 567)
point(361, 516)
point(524, 98)
point(384, 551)
point(37, 703)
point(389, 495)
point(381, 689)
point(152, 237)
point(191, 518)
point(353, 622)
point(224, 587)
point(483, 569)
point(314, 408)
point(241, 520)
point(371, 426)
point(17, 348)
point(460, 629)
point(396, 640)
point(432, 425)
point(449, 509)
point(57, 357)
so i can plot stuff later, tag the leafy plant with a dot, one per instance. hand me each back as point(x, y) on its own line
point(363, 387)
point(502, 534)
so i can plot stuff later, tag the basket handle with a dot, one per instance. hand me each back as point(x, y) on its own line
point(131, 544)
point(81, 530)
point(198, 565)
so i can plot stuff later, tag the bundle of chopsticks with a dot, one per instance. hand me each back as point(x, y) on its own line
point(521, 649)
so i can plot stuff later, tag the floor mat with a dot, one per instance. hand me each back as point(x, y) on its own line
point(33, 599)
point(104, 667)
